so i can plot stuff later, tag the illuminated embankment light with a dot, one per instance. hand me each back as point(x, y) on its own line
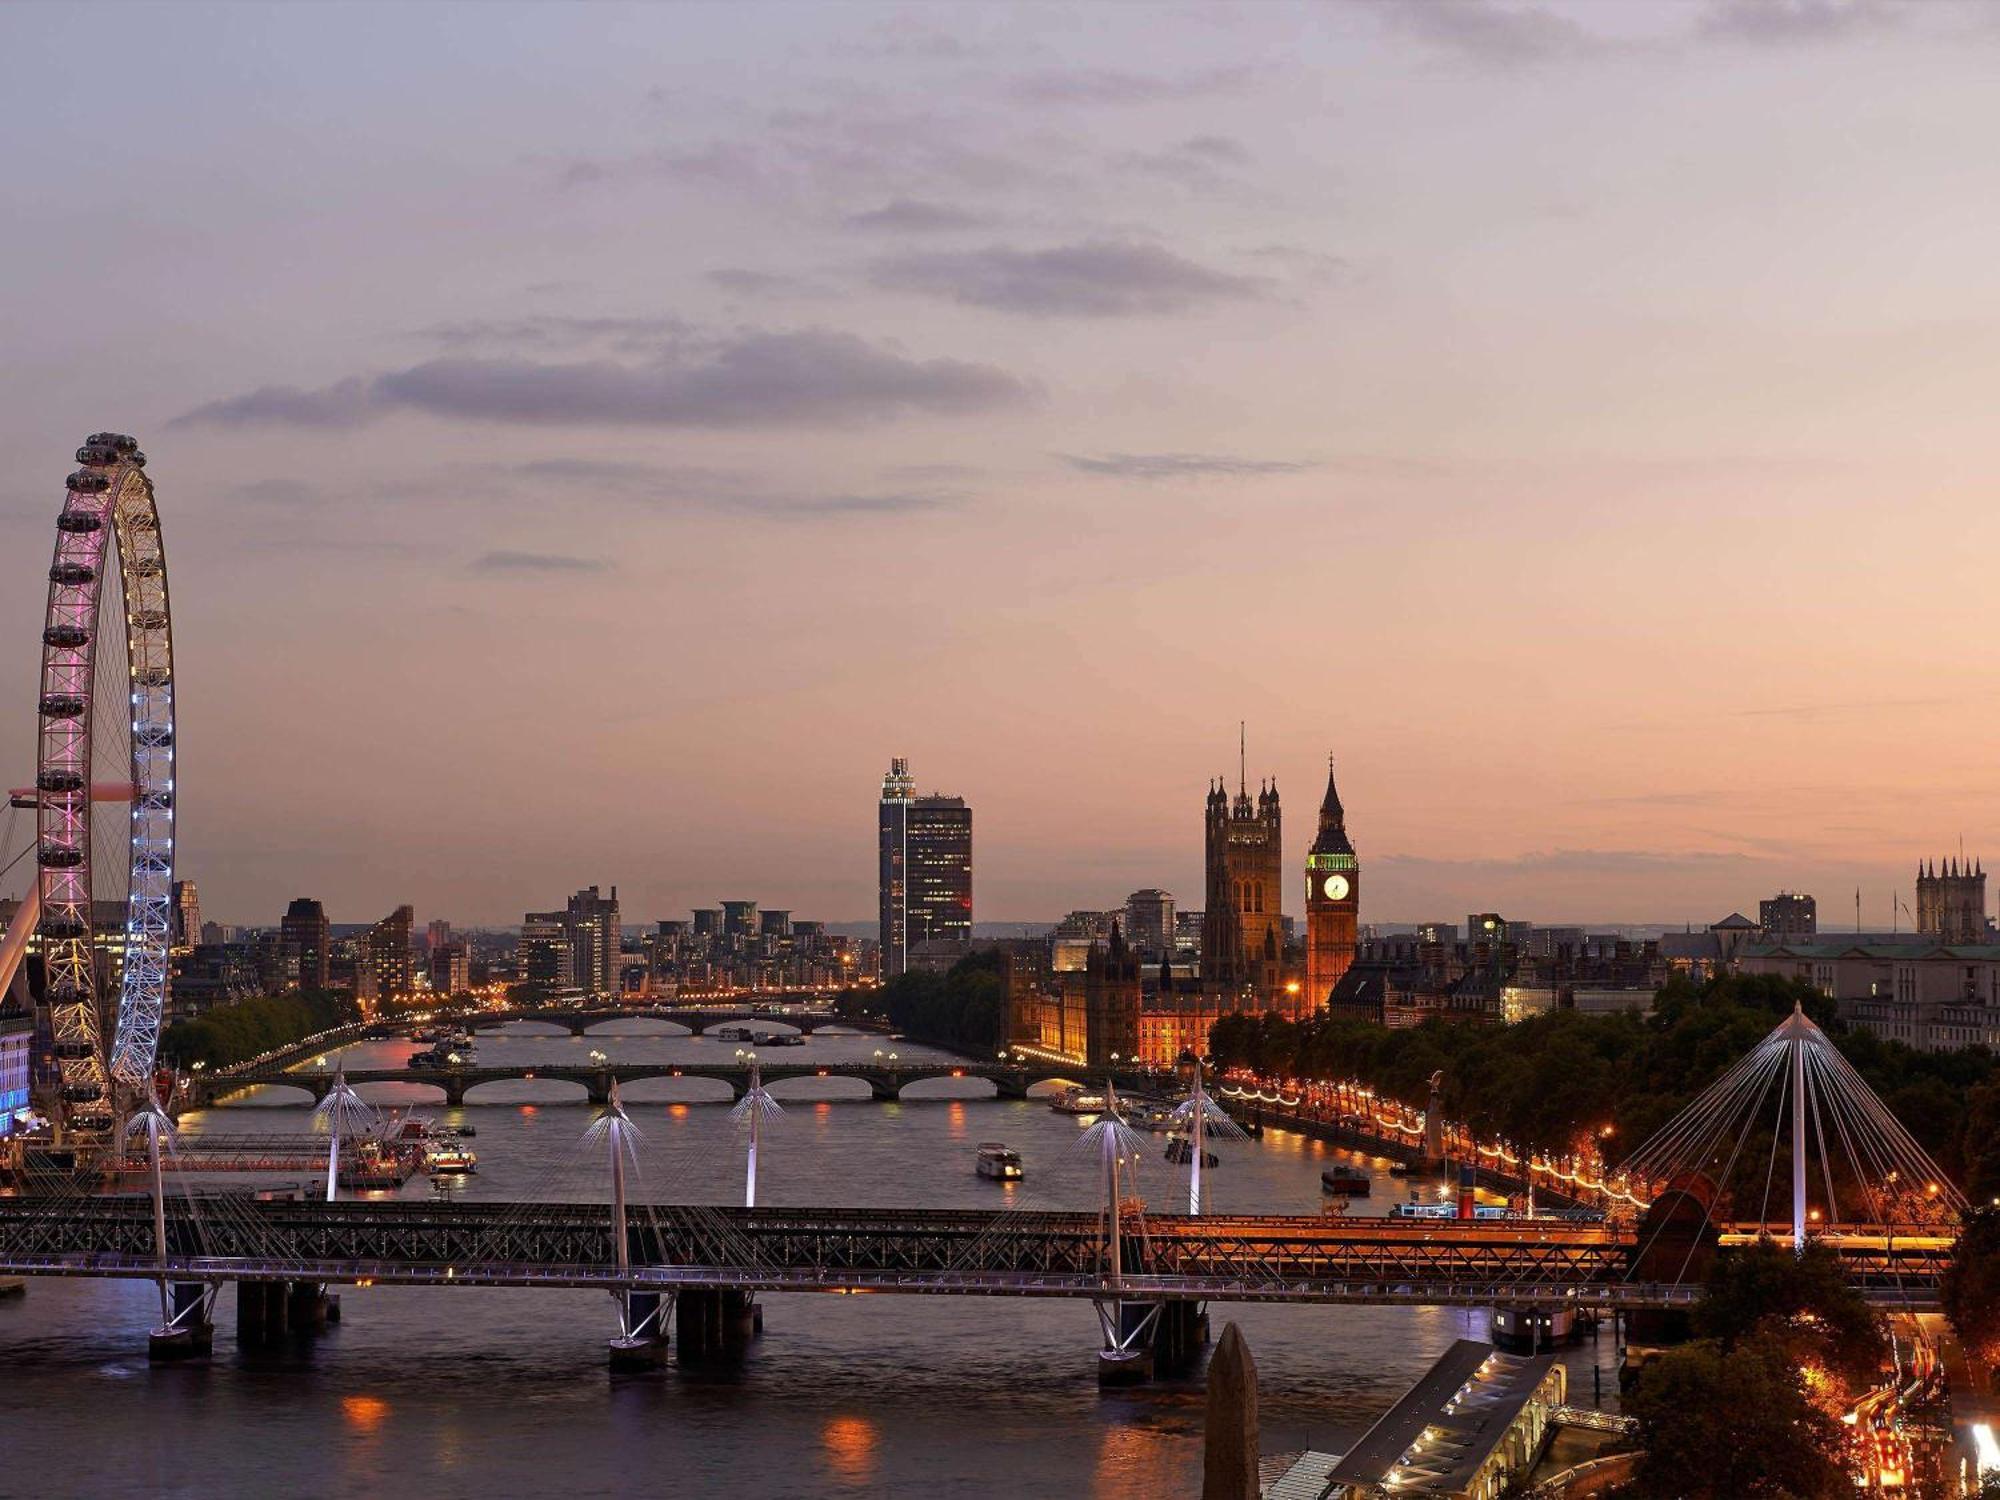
point(1985, 1449)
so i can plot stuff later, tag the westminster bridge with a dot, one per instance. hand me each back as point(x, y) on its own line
point(886, 1078)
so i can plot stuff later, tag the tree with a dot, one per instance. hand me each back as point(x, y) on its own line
point(1733, 1424)
point(1971, 1290)
point(1805, 1302)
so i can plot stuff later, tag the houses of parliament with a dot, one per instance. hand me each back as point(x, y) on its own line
point(1120, 1007)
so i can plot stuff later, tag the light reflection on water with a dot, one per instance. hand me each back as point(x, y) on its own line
point(502, 1393)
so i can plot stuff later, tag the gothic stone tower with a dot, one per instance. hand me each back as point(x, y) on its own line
point(1951, 901)
point(1242, 934)
point(1333, 899)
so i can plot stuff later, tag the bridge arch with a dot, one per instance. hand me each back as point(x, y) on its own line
point(814, 1088)
point(230, 1098)
point(670, 1089)
point(944, 1089)
point(571, 1090)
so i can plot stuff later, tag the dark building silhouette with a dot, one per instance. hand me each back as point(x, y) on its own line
point(1333, 899)
point(1951, 901)
point(592, 925)
point(304, 941)
point(925, 868)
point(387, 969)
point(1788, 918)
point(1242, 936)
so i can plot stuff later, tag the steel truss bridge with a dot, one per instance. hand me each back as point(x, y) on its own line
point(885, 1080)
point(674, 1248)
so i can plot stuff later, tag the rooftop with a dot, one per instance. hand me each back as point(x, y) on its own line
point(1446, 1425)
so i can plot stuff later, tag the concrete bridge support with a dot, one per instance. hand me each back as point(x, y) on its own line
point(641, 1346)
point(268, 1313)
point(454, 1092)
point(717, 1326)
point(263, 1314)
point(1179, 1337)
point(188, 1334)
point(1126, 1356)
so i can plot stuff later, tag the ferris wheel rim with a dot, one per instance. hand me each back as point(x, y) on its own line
point(109, 515)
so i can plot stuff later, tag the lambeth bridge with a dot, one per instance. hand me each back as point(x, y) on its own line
point(886, 1080)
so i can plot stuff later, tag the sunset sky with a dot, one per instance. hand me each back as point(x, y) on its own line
point(592, 440)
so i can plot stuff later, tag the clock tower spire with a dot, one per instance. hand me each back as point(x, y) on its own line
point(1333, 898)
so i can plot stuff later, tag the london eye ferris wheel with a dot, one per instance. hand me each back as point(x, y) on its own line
point(99, 904)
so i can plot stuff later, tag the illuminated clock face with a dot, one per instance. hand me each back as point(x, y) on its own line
point(1337, 887)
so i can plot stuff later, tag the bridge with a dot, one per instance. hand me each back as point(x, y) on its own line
point(886, 1080)
point(672, 1247)
point(580, 1020)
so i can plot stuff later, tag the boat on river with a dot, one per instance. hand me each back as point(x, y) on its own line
point(1077, 1100)
point(1180, 1151)
point(446, 1155)
point(1000, 1162)
point(1347, 1182)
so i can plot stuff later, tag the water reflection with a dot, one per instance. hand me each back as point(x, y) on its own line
point(849, 1444)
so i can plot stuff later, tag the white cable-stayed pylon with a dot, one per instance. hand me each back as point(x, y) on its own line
point(344, 1114)
point(756, 1106)
point(1200, 1118)
point(1796, 1085)
point(151, 1121)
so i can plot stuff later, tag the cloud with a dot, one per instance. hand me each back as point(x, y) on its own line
point(1201, 162)
point(1154, 466)
point(1114, 86)
point(771, 284)
point(346, 403)
point(1305, 265)
point(1488, 31)
point(748, 380)
point(535, 562)
point(1779, 23)
point(687, 487)
point(1097, 278)
point(914, 216)
point(808, 507)
point(550, 332)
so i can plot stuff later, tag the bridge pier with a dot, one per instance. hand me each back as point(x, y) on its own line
point(1181, 1335)
point(309, 1307)
point(188, 1333)
point(1126, 1357)
point(599, 1087)
point(884, 1090)
point(262, 1314)
point(1010, 1086)
point(454, 1092)
point(641, 1345)
point(716, 1326)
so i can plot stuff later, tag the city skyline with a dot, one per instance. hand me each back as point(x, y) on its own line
point(1280, 364)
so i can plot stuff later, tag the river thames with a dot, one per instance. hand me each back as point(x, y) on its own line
point(499, 1392)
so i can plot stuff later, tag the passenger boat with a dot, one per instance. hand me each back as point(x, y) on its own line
point(1077, 1101)
point(1180, 1152)
point(445, 1155)
point(778, 1039)
point(1349, 1182)
point(733, 1034)
point(1001, 1163)
point(1534, 1328)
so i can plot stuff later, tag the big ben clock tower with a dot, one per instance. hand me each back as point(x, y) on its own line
point(1333, 899)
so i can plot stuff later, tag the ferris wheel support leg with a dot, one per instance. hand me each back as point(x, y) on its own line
point(19, 929)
